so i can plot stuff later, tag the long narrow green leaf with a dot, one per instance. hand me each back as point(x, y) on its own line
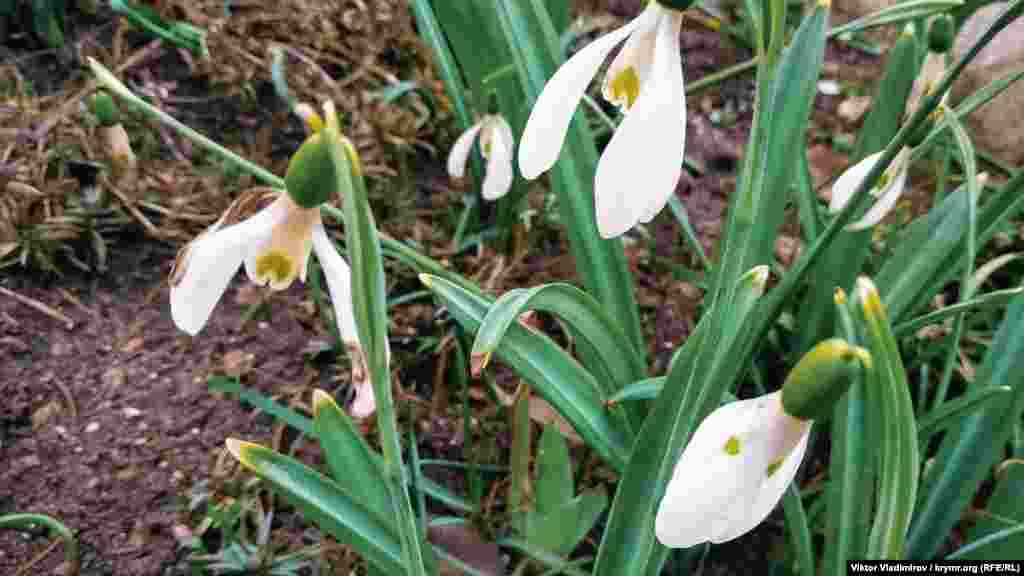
point(897, 446)
point(799, 532)
point(612, 360)
point(554, 474)
point(850, 471)
point(555, 375)
point(970, 449)
point(1005, 506)
point(335, 510)
point(353, 465)
point(950, 412)
point(994, 299)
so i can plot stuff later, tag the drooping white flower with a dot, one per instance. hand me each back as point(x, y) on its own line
point(640, 167)
point(274, 244)
point(733, 472)
point(887, 189)
point(496, 145)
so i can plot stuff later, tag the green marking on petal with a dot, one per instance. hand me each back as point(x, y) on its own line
point(486, 149)
point(732, 446)
point(774, 467)
point(274, 266)
point(625, 87)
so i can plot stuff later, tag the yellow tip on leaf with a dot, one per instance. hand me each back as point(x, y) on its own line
point(426, 279)
point(322, 400)
point(239, 448)
point(839, 296)
point(871, 302)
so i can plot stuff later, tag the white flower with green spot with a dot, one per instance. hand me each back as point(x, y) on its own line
point(733, 472)
point(496, 145)
point(274, 244)
point(640, 167)
point(887, 190)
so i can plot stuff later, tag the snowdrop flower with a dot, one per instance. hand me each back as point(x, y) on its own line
point(732, 473)
point(272, 233)
point(640, 167)
point(887, 189)
point(744, 455)
point(273, 242)
point(496, 145)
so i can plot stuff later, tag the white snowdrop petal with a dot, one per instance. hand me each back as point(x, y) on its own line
point(640, 167)
point(500, 129)
point(460, 151)
point(210, 264)
point(339, 284)
point(848, 181)
point(275, 214)
point(769, 492)
point(553, 111)
point(710, 486)
point(890, 195)
point(637, 52)
point(498, 178)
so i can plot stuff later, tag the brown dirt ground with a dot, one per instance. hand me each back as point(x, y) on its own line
point(107, 423)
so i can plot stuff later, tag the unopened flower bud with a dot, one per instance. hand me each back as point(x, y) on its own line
point(941, 34)
point(311, 179)
point(676, 4)
point(104, 108)
point(821, 378)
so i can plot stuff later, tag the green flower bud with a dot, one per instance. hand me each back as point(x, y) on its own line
point(821, 378)
point(941, 34)
point(311, 179)
point(676, 4)
point(103, 107)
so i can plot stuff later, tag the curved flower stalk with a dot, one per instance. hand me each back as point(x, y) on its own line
point(640, 167)
point(887, 190)
point(744, 455)
point(496, 145)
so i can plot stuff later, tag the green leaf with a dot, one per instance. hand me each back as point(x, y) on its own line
point(898, 452)
point(282, 413)
point(969, 449)
point(952, 411)
point(850, 468)
point(559, 379)
point(354, 466)
point(613, 360)
point(561, 529)
point(554, 473)
point(1009, 506)
point(785, 110)
point(334, 510)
